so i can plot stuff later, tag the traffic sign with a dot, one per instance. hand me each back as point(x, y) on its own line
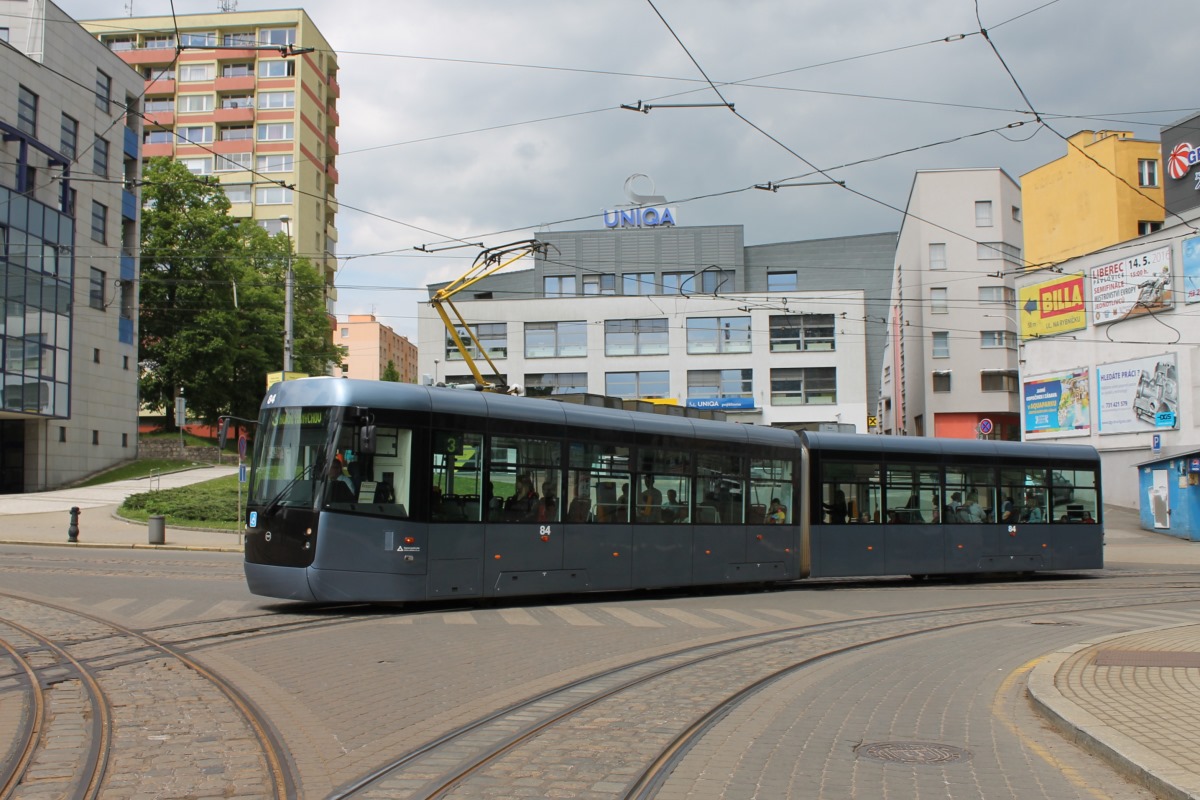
point(241, 473)
point(985, 426)
point(242, 446)
point(1156, 443)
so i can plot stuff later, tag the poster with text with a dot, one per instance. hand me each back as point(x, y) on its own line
point(1139, 395)
point(1140, 284)
point(1058, 405)
point(1191, 269)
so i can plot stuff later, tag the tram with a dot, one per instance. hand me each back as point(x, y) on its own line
point(365, 491)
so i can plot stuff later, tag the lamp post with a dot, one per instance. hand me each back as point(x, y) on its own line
point(289, 289)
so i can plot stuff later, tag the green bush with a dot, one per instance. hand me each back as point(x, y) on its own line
point(212, 504)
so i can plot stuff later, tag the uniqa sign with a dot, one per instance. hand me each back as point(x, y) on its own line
point(650, 217)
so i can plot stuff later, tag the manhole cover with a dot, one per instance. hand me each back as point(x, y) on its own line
point(913, 752)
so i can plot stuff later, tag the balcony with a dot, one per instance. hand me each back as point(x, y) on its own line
point(227, 115)
point(335, 90)
point(237, 55)
point(233, 146)
point(332, 142)
point(334, 118)
point(164, 149)
point(331, 173)
point(149, 55)
point(241, 83)
point(162, 119)
point(159, 87)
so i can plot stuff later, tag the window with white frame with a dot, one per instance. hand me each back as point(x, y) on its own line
point(990, 251)
point(237, 101)
point(275, 131)
point(990, 339)
point(558, 286)
point(1148, 226)
point(153, 105)
point(271, 226)
point(155, 74)
point(190, 73)
point(605, 283)
point(983, 213)
point(276, 100)
point(782, 281)
point(939, 301)
point(638, 283)
point(237, 70)
point(941, 344)
point(159, 43)
point(197, 166)
point(277, 36)
point(272, 196)
point(714, 281)
point(276, 162)
point(276, 69)
point(198, 39)
point(651, 384)
point(195, 103)
point(237, 133)
point(796, 386)
point(555, 339)
point(941, 380)
point(237, 192)
point(195, 134)
point(707, 384)
point(718, 335)
point(238, 39)
point(678, 282)
point(1147, 172)
point(232, 162)
point(795, 332)
point(937, 255)
point(997, 294)
point(158, 137)
point(635, 337)
point(493, 338)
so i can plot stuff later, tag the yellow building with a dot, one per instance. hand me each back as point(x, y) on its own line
point(368, 345)
point(1075, 205)
point(250, 98)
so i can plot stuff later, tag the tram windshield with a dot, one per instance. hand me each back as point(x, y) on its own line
point(290, 446)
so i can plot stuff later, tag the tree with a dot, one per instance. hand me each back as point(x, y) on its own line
point(391, 373)
point(212, 300)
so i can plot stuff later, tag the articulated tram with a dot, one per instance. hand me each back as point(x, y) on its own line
point(384, 492)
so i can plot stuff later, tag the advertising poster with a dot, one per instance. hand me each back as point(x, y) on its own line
point(1132, 286)
point(1053, 306)
point(1138, 396)
point(1191, 269)
point(1058, 405)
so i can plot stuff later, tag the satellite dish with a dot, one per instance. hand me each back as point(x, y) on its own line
point(643, 199)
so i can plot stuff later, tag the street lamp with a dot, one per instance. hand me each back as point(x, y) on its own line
point(289, 289)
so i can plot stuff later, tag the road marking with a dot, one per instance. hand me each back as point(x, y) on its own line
point(573, 616)
point(227, 608)
point(161, 610)
point(631, 617)
point(737, 616)
point(112, 603)
point(517, 616)
point(785, 616)
point(688, 618)
point(460, 618)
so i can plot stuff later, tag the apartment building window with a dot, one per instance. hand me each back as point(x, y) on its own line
point(782, 281)
point(558, 286)
point(804, 386)
point(96, 289)
point(604, 283)
point(997, 294)
point(154, 74)
point(103, 90)
point(237, 101)
point(275, 131)
point(345, 333)
point(998, 380)
point(233, 162)
point(983, 213)
point(158, 137)
point(158, 104)
point(243, 39)
point(1147, 172)
point(633, 385)
point(989, 251)
point(197, 166)
point(199, 39)
point(271, 226)
point(195, 134)
point(795, 332)
point(276, 69)
point(100, 157)
point(237, 192)
point(937, 255)
point(274, 163)
point(68, 137)
point(1016, 213)
point(704, 384)
point(237, 133)
point(638, 283)
point(1148, 226)
point(159, 43)
point(192, 73)
point(939, 302)
point(99, 223)
point(678, 282)
point(941, 344)
point(273, 196)
point(941, 380)
point(277, 100)
point(713, 281)
point(27, 104)
point(635, 337)
point(555, 339)
point(992, 339)
point(277, 36)
point(493, 337)
point(544, 384)
point(237, 70)
point(195, 103)
point(718, 335)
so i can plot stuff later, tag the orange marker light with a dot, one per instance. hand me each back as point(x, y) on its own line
point(409, 539)
point(759, 537)
point(708, 552)
point(497, 556)
point(545, 538)
point(870, 547)
point(616, 555)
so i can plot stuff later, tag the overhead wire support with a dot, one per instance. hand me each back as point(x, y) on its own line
point(771, 186)
point(645, 107)
point(284, 50)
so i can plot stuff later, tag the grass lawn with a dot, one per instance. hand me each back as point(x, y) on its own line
point(212, 504)
point(142, 468)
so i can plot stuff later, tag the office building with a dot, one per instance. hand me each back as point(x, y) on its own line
point(250, 98)
point(69, 211)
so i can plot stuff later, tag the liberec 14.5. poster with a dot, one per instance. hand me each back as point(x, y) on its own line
point(1058, 405)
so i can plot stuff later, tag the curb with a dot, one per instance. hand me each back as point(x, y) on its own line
point(1130, 758)
point(117, 546)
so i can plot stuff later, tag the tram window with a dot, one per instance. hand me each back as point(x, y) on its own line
point(455, 488)
point(290, 445)
point(598, 483)
point(720, 488)
point(850, 492)
point(1012, 494)
point(386, 476)
point(1074, 495)
point(912, 493)
point(770, 480)
point(971, 493)
point(521, 473)
point(664, 486)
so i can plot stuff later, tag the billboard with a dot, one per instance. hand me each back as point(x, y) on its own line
point(1190, 248)
point(1140, 284)
point(1058, 405)
point(1138, 395)
point(1053, 306)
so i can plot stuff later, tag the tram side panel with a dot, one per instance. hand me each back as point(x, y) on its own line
point(368, 559)
point(604, 551)
point(662, 555)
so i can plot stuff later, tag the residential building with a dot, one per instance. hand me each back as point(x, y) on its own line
point(950, 367)
point(1106, 189)
point(69, 212)
point(1111, 357)
point(249, 98)
point(368, 346)
point(770, 334)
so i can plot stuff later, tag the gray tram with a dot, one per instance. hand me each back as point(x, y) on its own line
point(366, 491)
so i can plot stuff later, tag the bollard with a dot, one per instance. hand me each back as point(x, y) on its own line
point(158, 529)
point(73, 528)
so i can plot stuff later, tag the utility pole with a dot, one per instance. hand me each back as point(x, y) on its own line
point(289, 288)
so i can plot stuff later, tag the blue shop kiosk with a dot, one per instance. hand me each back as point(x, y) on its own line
point(1169, 492)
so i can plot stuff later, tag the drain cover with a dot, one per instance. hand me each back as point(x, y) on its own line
point(913, 752)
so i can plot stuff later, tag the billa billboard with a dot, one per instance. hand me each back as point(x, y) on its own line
point(1053, 306)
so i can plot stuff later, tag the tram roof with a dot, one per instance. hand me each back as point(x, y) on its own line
point(868, 444)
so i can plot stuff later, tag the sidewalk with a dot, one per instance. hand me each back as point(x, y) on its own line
point(45, 517)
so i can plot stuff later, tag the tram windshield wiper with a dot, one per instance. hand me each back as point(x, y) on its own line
point(278, 498)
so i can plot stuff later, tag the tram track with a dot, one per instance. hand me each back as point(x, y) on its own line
point(673, 693)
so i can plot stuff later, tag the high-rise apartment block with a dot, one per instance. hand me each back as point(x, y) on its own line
point(250, 98)
point(368, 346)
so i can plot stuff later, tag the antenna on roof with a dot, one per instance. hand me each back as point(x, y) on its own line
point(226, 5)
point(129, 7)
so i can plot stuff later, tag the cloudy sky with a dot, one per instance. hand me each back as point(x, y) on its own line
point(488, 120)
